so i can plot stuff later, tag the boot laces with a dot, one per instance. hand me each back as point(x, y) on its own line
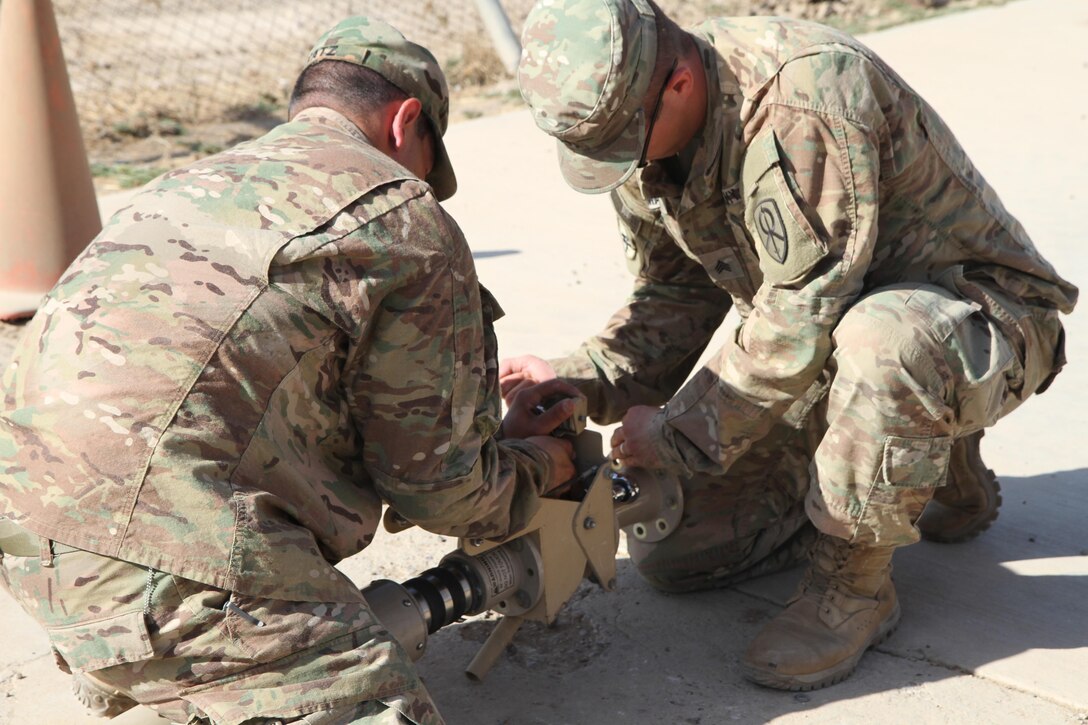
point(824, 573)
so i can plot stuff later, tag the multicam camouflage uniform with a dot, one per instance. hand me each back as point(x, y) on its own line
point(866, 255)
point(216, 399)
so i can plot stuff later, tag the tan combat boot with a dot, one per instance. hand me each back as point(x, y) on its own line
point(100, 699)
point(844, 605)
point(965, 506)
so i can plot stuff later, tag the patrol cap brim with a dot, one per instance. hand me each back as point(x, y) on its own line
point(603, 169)
point(441, 178)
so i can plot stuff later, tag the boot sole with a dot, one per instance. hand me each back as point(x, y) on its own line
point(827, 677)
point(99, 700)
point(989, 483)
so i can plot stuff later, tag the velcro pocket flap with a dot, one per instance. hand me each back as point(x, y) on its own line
point(784, 239)
point(104, 642)
point(761, 156)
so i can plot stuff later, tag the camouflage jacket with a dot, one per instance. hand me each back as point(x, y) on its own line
point(249, 359)
point(819, 175)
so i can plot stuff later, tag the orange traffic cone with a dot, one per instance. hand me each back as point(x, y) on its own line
point(48, 211)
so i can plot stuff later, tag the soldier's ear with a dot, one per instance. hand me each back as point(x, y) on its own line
point(682, 81)
point(406, 114)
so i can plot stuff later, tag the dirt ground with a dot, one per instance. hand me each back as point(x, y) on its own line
point(129, 155)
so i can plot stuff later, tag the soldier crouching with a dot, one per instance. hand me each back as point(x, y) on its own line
point(209, 409)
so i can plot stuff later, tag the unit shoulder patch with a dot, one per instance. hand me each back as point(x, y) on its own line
point(772, 230)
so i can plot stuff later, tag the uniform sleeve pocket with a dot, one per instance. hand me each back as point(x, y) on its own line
point(785, 241)
point(916, 462)
point(105, 642)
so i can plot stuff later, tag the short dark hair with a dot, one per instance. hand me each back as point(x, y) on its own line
point(353, 85)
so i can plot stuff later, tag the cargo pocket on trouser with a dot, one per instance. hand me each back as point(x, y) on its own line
point(113, 640)
point(89, 605)
point(910, 470)
point(984, 370)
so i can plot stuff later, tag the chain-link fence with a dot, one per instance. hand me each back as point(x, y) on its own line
point(203, 60)
point(192, 61)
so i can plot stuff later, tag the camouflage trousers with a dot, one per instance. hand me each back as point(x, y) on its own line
point(912, 369)
point(197, 654)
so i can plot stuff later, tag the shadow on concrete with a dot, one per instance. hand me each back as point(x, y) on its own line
point(1008, 607)
point(495, 253)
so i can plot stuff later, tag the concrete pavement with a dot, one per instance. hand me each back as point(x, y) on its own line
point(993, 631)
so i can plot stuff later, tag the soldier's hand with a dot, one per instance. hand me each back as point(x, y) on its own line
point(632, 442)
point(518, 373)
point(561, 453)
point(525, 418)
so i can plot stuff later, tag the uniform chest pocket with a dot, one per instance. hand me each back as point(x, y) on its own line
point(785, 241)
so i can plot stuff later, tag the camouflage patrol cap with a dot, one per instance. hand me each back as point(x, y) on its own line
point(412, 68)
point(585, 69)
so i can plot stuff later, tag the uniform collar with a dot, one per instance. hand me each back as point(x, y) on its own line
point(324, 116)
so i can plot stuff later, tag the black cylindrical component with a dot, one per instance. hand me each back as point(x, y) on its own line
point(505, 578)
point(444, 594)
